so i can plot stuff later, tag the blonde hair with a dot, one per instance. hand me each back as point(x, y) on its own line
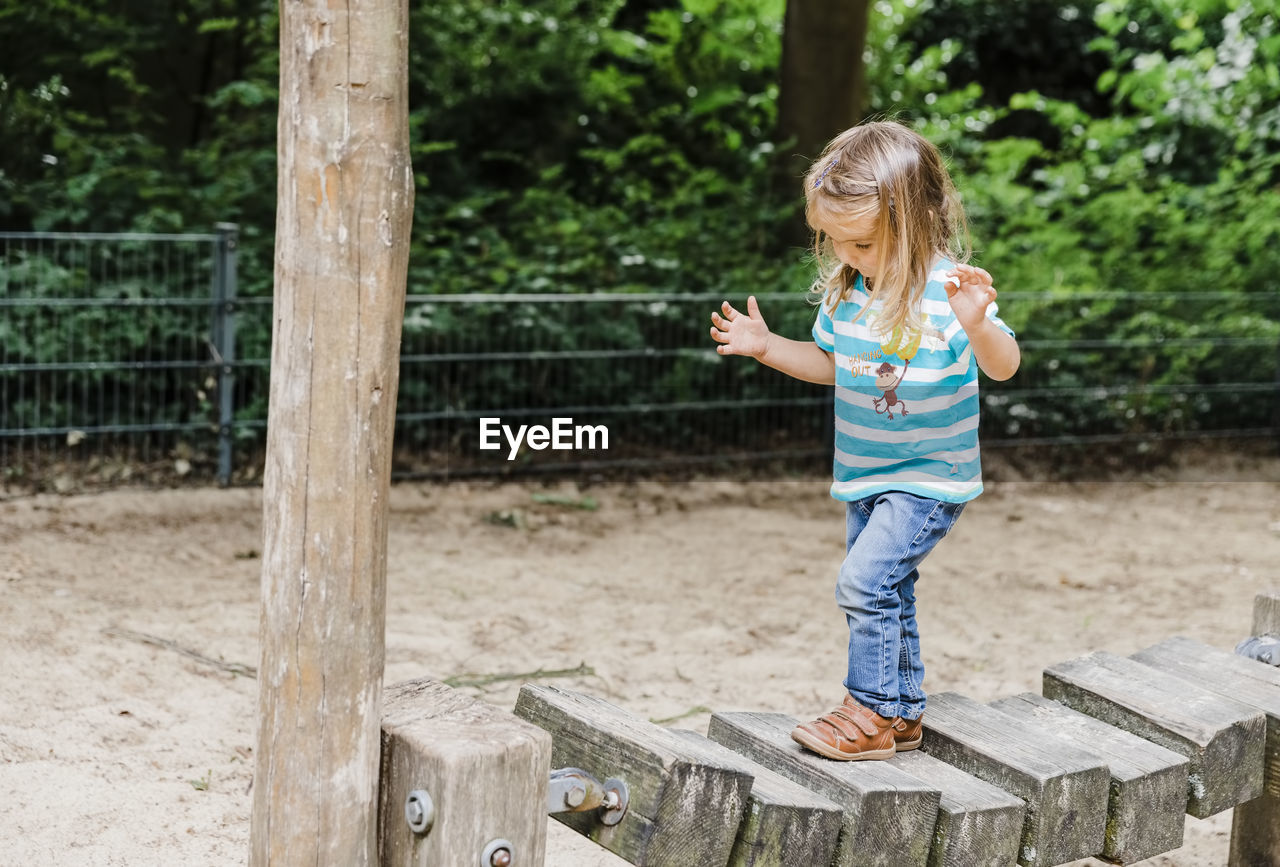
point(886, 171)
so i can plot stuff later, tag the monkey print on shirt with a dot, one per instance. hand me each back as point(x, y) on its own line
point(888, 377)
point(887, 381)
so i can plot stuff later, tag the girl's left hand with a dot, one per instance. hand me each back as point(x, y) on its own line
point(970, 299)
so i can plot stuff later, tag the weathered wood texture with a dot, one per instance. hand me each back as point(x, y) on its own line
point(1255, 825)
point(685, 805)
point(1224, 739)
point(1266, 613)
point(888, 815)
point(344, 206)
point(1247, 681)
point(1065, 788)
point(1146, 808)
point(978, 824)
point(784, 823)
point(486, 771)
point(1255, 833)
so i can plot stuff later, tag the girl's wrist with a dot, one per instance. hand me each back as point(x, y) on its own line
point(976, 329)
point(768, 343)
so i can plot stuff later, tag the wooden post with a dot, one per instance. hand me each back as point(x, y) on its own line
point(344, 207)
point(486, 773)
point(1255, 826)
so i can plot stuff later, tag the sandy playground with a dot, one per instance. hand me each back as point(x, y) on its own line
point(678, 598)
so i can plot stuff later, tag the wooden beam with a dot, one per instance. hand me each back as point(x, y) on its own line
point(979, 825)
point(1247, 681)
point(344, 206)
point(889, 816)
point(1146, 808)
point(784, 823)
point(1065, 788)
point(485, 770)
point(684, 805)
point(1224, 739)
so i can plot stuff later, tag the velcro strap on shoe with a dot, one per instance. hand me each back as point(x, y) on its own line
point(867, 727)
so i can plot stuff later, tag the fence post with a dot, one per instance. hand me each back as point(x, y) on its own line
point(224, 340)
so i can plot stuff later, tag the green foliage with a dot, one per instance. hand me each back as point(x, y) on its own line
point(1167, 187)
point(563, 152)
point(1102, 146)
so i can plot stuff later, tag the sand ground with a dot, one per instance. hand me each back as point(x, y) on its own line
point(679, 597)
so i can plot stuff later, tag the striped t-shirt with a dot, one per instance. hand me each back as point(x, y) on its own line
point(906, 406)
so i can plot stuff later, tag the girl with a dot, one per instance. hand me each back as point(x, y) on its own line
point(902, 328)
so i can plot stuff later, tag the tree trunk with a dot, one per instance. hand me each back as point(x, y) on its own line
point(344, 208)
point(823, 88)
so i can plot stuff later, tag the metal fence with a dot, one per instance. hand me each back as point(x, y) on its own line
point(135, 355)
point(109, 350)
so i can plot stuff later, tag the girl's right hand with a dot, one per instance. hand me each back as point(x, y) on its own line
point(738, 333)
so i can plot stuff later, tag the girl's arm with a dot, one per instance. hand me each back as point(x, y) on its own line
point(746, 334)
point(995, 350)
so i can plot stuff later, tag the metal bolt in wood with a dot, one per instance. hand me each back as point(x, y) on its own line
point(497, 854)
point(616, 800)
point(419, 811)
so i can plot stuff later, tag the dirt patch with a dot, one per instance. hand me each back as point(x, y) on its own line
point(678, 597)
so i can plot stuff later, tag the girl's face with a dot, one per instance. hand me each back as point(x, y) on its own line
point(854, 244)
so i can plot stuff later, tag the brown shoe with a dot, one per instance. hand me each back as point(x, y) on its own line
point(907, 733)
point(848, 733)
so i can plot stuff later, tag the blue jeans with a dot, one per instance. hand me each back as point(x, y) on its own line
point(888, 535)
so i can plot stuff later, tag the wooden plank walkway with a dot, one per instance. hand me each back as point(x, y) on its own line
point(1148, 793)
point(784, 822)
point(1064, 787)
point(1107, 763)
point(888, 815)
point(685, 804)
point(1223, 738)
point(1247, 681)
point(978, 825)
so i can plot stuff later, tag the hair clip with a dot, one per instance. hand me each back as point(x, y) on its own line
point(822, 177)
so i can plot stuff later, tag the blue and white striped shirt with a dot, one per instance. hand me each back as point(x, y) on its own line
point(906, 407)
